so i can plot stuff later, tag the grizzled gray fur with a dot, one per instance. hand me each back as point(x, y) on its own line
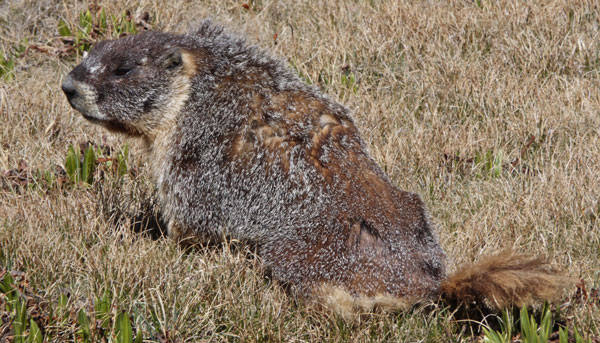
point(253, 152)
point(241, 147)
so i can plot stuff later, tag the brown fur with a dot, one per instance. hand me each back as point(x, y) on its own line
point(504, 280)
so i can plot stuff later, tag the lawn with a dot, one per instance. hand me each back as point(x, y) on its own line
point(490, 110)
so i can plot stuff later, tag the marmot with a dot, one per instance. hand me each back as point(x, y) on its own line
point(239, 146)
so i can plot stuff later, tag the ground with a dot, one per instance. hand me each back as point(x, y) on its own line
point(490, 110)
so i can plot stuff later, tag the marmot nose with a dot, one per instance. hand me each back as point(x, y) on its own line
point(68, 86)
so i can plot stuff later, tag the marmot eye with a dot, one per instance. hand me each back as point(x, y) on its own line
point(122, 71)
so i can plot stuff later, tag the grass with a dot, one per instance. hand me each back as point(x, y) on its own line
point(489, 110)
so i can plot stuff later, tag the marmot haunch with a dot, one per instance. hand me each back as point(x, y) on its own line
point(240, 146)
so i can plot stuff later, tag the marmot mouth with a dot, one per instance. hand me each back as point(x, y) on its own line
point(112, 125)
point(92, 118)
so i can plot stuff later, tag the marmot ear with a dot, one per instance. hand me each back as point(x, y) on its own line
point(172, 58)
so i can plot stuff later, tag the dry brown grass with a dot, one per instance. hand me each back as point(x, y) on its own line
point(442, 89)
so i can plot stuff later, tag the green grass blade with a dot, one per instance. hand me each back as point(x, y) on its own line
point(123, 329)
point(62, 306)
point(102, 308)
point(138, 337)
point(546, 324)
point(84, 324)
point(528, 326)
point(72, 164)
point(88, 166)
point(35, 334)
point(20, 323)
point(85, 23)
point(63, 29)
point(7, 287)
point(103, 23)
point(122, 160)
point(563, 336)
point(493, 336)
point(578, 338)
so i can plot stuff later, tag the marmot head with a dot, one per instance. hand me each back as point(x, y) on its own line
point(129, 85)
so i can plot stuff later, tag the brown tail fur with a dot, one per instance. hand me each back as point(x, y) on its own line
point(503, 280)
point(493, 283)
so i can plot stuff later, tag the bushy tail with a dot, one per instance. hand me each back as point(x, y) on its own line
point(503, 280)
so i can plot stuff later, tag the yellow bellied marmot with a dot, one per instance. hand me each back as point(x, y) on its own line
point(239, 145)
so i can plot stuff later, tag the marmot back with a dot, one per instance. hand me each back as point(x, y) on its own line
point(240, 146)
